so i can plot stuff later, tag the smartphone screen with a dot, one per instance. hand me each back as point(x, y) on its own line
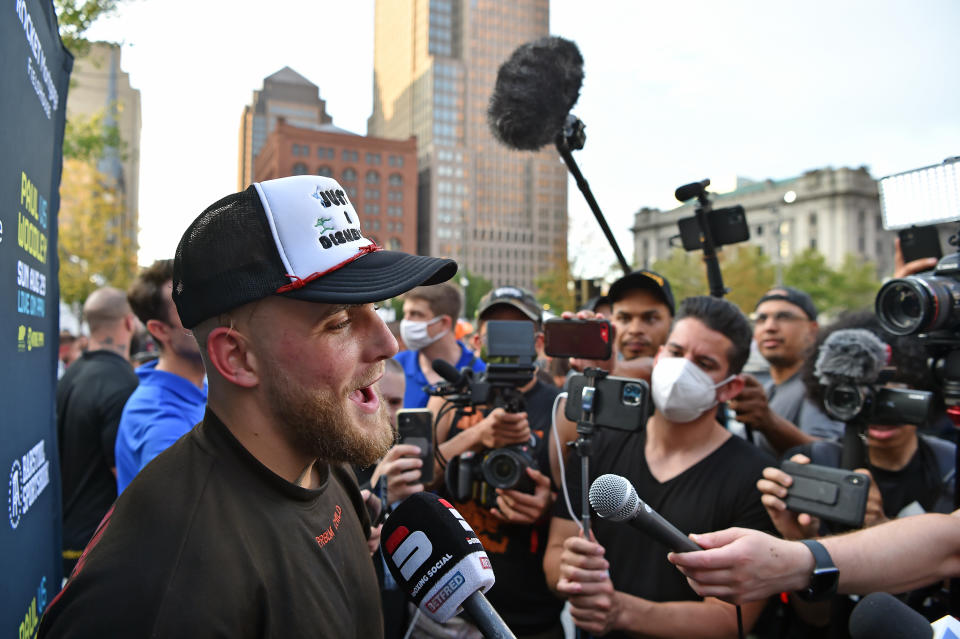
point(584, 339)
point(415, 427)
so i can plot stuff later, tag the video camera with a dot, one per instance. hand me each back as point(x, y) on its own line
point(510, 357)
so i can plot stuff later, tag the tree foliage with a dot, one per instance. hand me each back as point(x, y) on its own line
point(748, 274)
point(87, 138)
point(93, 247)
point(76, 16)
point(553, 287)
point(473, 292)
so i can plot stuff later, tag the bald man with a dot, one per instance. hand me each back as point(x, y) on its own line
point(90, 399)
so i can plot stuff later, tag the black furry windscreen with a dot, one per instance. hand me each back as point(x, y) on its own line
point(535, 90)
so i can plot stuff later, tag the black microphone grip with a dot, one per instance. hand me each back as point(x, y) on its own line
point(649, 521)
point(486, 618)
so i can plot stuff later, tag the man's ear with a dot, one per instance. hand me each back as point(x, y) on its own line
point(731, 389)
point(160, 331)
point(229, 353)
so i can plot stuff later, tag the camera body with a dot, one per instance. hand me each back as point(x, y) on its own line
point(510, 357)
point(872, 404)
point(477, 475)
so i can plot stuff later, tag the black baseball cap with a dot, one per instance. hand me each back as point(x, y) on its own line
point(796, 297)
point(643, 279)
point(298, 237)
point(519, 298)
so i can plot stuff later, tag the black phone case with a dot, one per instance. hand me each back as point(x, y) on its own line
point(417, 430)
point(833, 494)
point(918, 242)
point(621, 403)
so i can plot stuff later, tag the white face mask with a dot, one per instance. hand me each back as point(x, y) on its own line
point(681, 390)
point(415, 334)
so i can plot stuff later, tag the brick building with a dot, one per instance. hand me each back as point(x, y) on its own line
point(379, 175)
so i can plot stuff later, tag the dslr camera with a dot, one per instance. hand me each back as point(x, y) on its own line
point(510, 357)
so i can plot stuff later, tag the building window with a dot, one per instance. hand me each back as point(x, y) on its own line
point(351, 192)
point(373, 177)
point(371, 208)
point(395, 196)
point(395, 244)
point(373, 158)
point(373, 225)
point(326, 152)
point(396, 179)
point(395, 160)
point(813, 243)
point(325, 171)
point(349, 156)
point(349, 175)
point(813, 219)
point(372, 194)
point(299, 168)
point(399, 227)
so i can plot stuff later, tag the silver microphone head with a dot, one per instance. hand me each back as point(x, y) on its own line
point(613, 497)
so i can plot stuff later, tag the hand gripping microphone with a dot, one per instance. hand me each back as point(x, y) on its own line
point(436, 558)
point(615, 498)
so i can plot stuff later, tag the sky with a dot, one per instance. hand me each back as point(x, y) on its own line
point(673, 92)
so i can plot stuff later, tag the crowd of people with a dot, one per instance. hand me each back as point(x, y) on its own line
point(229, 485)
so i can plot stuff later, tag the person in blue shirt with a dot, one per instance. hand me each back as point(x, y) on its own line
point(429, 318)
point(172, 394)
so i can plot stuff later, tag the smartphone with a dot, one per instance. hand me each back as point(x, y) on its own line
point(584, 339)
point(727, 226)
point(917, 242)
point(832, 494)
point(622, 403)
point(415, 427)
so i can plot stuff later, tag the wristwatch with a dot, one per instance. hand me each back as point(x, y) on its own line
point(823, 580)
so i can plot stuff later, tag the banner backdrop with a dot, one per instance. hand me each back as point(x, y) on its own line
point(33, 94)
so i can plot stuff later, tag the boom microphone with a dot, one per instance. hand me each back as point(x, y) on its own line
point(536, 88)
point(615, 498)
point(880, 615)
point(852, 355)
point(436, 558)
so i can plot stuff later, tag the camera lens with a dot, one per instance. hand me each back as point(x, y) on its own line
point(918, 305)
point(501, 469)
point(843, 401)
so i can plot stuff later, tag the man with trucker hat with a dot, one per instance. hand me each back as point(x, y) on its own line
point(251, 524)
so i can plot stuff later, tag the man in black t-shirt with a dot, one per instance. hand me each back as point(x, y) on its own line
point(250, 525)
point(90, 400)
point(688, 468)
point(514, 529)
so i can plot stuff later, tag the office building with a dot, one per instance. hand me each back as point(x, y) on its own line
point(285, 94)
point(501, 214)
point(100, 88)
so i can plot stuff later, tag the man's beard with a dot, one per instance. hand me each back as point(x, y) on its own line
point(316, 423)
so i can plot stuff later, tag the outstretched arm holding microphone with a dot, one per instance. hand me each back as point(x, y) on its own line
point(740, 565)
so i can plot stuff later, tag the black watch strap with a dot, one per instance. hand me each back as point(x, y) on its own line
point(823, 580)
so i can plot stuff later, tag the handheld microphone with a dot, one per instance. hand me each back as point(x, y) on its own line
point(536, 88)
point(880, 615)
point(615, 498)
point(436, 558)
point(851, 355)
